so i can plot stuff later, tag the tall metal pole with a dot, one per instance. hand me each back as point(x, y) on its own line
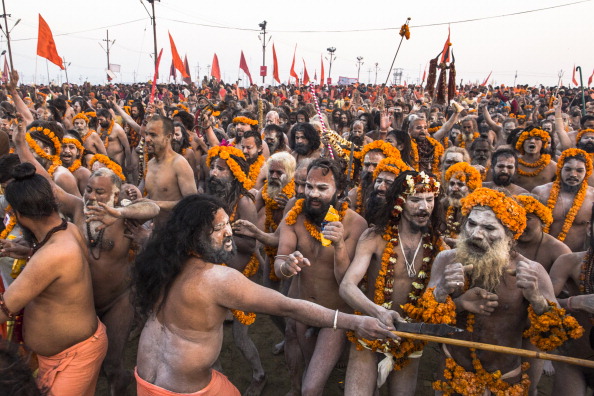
point(331, 51)
point(263, 33)
point(579, 68)
point(7, 34)
point(359, 63)
point(107, 50)
point(154, 31)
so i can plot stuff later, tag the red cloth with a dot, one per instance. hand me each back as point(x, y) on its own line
point(74, 371)
point(219, 386)
point(46, 46)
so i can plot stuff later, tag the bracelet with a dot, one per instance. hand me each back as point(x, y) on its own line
point(281, 271)
point(335, 319)
point(5, 309)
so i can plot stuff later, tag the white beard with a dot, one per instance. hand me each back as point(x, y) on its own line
point(94, 224)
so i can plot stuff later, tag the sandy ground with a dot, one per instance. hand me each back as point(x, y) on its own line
point(265, 336)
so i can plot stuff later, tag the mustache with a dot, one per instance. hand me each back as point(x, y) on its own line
point(422, 213)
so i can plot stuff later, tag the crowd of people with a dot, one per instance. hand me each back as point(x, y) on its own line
point(340, 211)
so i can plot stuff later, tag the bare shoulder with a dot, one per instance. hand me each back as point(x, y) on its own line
point(180, 162)
point(542, 191)
point(354, 219)
point(569, 259)
point(554, 246)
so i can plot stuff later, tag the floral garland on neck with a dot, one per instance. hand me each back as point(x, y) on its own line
point(10, 225)
point(438, 151)
point(296, 210)
point(255, 169)
point(542, 163)
point(270, 225)
point(452, 226)
point(55, 159)
point(86, 136)
point(578, 200)
point(359, 202)
point(105, 160)
point(109, 129)
point(76, 164)
point(224, 153)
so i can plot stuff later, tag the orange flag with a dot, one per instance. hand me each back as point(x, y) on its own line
point(46, 46)
point(445, 53)
point(243, 66)
point(573, 79)
point(275, 65)
point(216, 70)
point(177, 62)
point(293, 73)
point(322, 82)
point(305, 74)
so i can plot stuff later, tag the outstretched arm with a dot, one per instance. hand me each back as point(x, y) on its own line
point(21, 107)
point(445, 129)
point(125, 116)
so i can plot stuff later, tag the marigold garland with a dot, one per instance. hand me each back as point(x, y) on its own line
point(55, 159)
point(438, 151)
point(511, 214)
point(270, 205)
point(393, 165)
point(466, 173)
point(428, 310)
point(224, 153)
point(433, 129)
point(244, 120)
point(296, 210)
point(105, 160)
point(109, 129)
point(540, 165)
point(80, 116)
point(581, 133)
point(384, 147)
point(10, 225)
point(578, 200)
point(77, 163)
point(405, 31)
point(532, 205)
point(552, 328)
point(539, 133)
point(255, 168)
point(452, 226)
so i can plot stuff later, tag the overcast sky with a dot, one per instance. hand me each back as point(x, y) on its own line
point(536, 44)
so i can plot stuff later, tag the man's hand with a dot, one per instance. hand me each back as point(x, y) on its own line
point(293, 263)
point(103, 213)
point(388, 317)
point(527, 281)
point(137, 232)
point(16, 248)
point(14, 81)
point(281, 200)
point(452, 281)
point(133, 193)
point(478, 301)
point(583, 302)
point(245, 228)
point(334, 231)
point(373, 329)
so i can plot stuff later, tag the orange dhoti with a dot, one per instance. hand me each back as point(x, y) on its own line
point(75, 370)
point(219, 386)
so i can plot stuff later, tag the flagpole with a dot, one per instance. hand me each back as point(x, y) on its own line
point(47, 68)
point(396, 54)
point(579, 68)
point(8, 35)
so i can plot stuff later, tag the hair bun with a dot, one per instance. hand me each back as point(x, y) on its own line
point(23, 171)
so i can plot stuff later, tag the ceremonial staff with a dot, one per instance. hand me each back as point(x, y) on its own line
point(404, 32)
point(579, 68)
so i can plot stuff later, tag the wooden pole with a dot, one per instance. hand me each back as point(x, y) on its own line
point(497, 348)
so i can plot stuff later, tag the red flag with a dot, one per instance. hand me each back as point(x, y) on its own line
point(424, 75)
point(573, 79)
point(293, 73)
point(589, 80)
point(222, 93)
point(46, 46)
point(152, 99)
point(275, 65)
point(172, 71)
point(487, 79)
point(177, 62)
point(322, 82)
point(305, 75)
point(445, 53)
point(243, 66)
point(187, 80)
point(216, 70)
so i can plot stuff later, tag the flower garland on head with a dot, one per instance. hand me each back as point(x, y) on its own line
point(91, 114)
point(10, 225)
point(255, 168)
point(225, 153)
point(466, 173)
point(296, 210)
point(55, 159)
point(105, 160)
point(244, 120)
point(581, 133)
point(384, 147)
point(183, 107)
point(578, 200)
point(80, 116)
point(532, 205)
point(384, 283)
point(270, 225)
point(76, 164)
point(393, 165)
point(109, 129)
point(539, 133)
point(509, 212)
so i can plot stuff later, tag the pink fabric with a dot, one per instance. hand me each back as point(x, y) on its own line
point(219, 386)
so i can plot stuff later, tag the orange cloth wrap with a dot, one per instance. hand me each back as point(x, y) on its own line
point(75, 370)
point(219, 386)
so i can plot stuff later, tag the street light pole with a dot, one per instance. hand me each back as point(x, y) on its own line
point(263, 33)
point(331, 51)
point(154, 20)
point(7, 32)
point(359, 63)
